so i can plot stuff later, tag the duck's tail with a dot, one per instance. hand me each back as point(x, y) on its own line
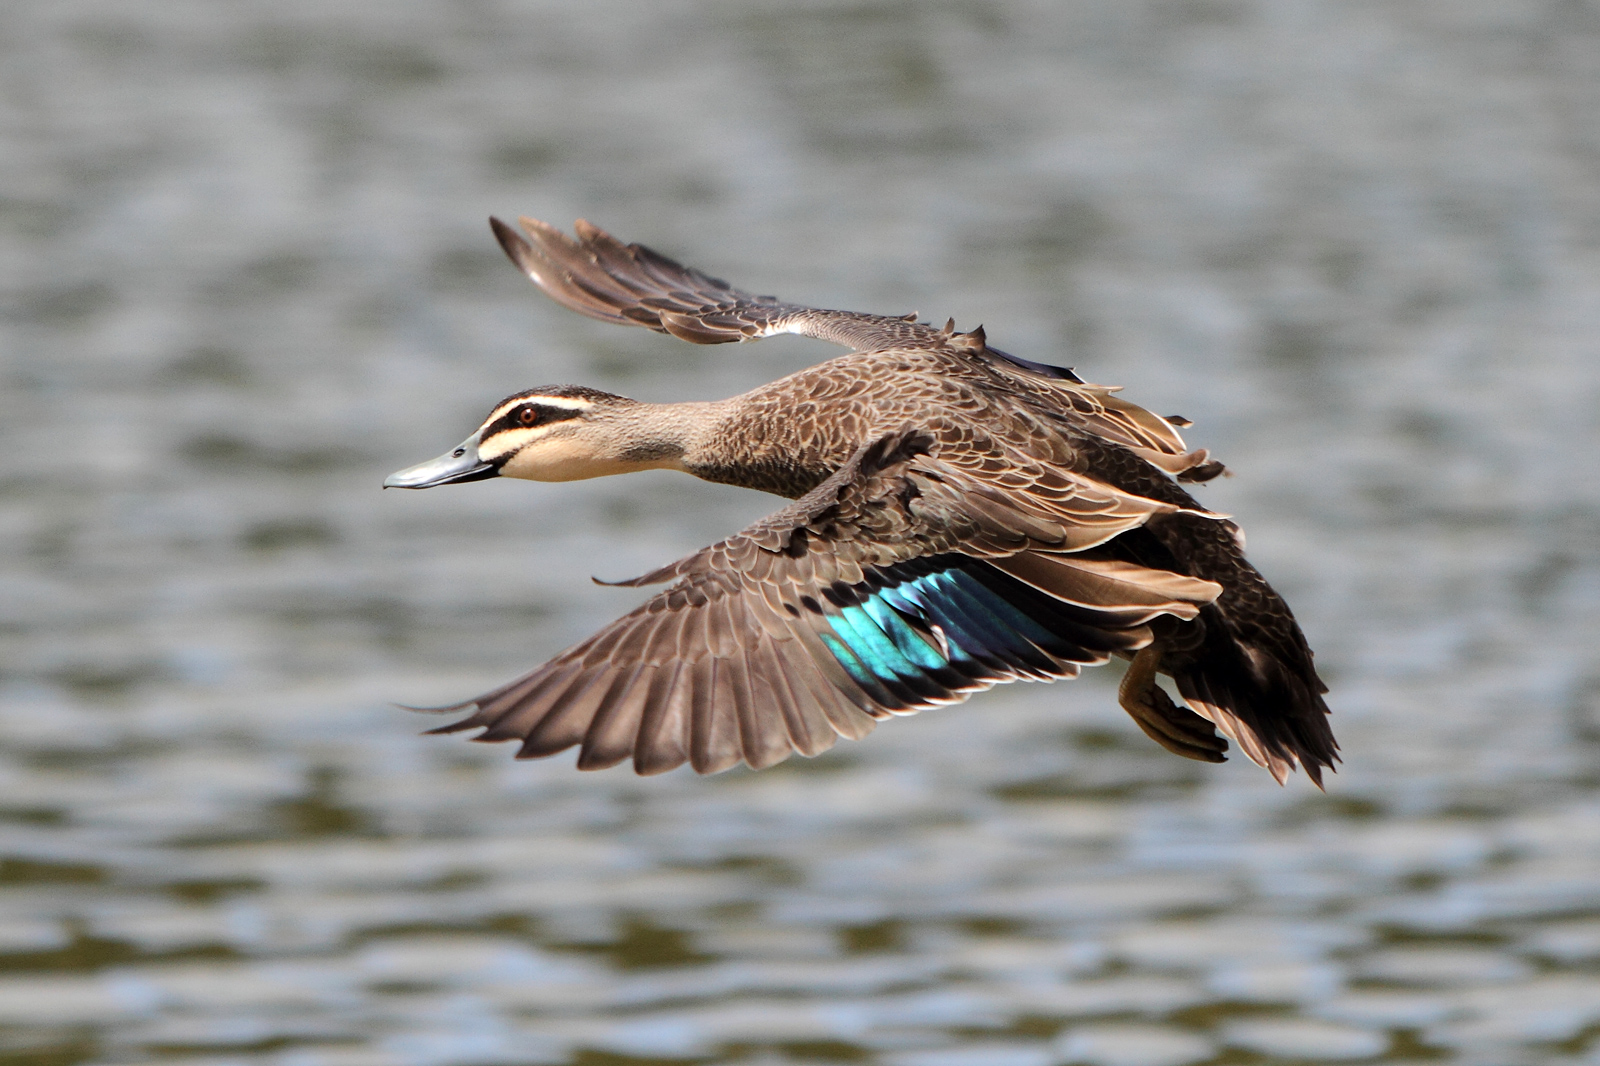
point(1243, 664)
point(1260, 693)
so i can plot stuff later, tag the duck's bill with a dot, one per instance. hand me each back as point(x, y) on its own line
point(455, 466)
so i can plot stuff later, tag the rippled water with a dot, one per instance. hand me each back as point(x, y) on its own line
point(246, 275)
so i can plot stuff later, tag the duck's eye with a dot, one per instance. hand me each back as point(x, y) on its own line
point(528, 416)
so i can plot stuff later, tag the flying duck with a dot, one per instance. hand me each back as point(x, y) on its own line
point(961, 518)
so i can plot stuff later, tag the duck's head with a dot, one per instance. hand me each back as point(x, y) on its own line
point(556, 433)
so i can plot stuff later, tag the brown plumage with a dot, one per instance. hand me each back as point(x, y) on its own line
point(961, 518)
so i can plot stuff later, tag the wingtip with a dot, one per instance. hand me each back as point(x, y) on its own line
point(518, 250)
point(435, 710)
point(453, 727)
point(654, 577)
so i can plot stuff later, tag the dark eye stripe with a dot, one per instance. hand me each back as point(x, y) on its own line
point(512, 419)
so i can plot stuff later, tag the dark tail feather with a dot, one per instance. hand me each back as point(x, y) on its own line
point(1271, 707)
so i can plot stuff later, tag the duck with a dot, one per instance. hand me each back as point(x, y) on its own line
point(958, 518)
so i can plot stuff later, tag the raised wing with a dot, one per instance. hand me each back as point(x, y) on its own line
point(599, 276)
point(903, 582)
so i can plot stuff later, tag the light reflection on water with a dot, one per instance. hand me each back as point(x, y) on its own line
point(246, 276)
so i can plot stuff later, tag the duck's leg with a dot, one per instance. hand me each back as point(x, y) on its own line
point(1175, 728)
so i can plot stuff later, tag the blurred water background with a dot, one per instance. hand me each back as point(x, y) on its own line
point(246, 274)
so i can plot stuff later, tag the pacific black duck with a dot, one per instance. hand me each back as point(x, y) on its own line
point(961, 518)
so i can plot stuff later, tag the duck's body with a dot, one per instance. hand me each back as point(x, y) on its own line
point(963, 518)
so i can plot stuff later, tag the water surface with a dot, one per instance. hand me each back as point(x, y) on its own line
point(246, 275)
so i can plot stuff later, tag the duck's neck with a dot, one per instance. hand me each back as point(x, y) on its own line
point(727, 442)
point(675, 436)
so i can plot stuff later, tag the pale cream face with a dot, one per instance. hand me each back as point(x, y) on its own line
point(561, 457)
point(521, 427)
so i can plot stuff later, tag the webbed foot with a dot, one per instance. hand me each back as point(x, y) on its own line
point(1178, 729)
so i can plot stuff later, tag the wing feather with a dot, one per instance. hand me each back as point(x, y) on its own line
point(663, 727)
point(556, 724)
point(614, 727)
point(714, 738)
point(628, 284)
